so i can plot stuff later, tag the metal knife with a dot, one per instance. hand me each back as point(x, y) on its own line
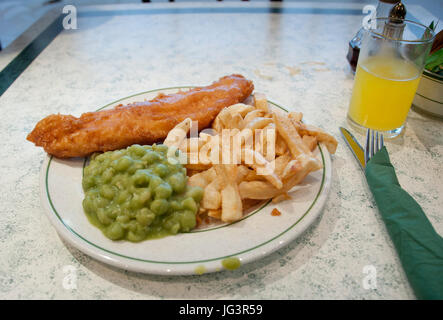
point(355, 147)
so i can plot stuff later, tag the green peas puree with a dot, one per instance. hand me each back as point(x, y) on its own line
point(137, 194)
point(231, 263)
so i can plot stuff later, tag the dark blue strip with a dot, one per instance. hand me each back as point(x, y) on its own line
point(13, 70)
point(244, 10)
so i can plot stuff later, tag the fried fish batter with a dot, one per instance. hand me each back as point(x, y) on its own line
point(66, 136)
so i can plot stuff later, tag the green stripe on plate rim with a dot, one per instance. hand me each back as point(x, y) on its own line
point(184, 262)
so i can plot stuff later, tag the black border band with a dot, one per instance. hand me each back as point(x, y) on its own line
point(15, 68)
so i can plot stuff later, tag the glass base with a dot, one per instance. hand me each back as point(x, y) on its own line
point(390, 134)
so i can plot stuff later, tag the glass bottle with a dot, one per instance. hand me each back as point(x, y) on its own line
point(383, 9)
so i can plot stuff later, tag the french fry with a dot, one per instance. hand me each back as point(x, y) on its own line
point(265, 166)
point(239, 108)
point(289, 133)
point(253, 114)
point(202, 178)
point(258, 123)
point(261, 102)
point(279, 111)
point(270, 137)
point(262, 167)
point(291, 136)
point(310, 130)
point(198, 180)
point(212, 196)
point(281, 197)
point(176, 136)
point(253, 176)
point(215, 213)
point(188, 144)
point(329, 141)
point(243, 138)
point(224, 118)
point(242, 172)
point(232, 207)
point(233, 121)
point(297, 116)
point(197, 166)
point(290, 169)
point(300, 170)
point(252, 157)
point(217, 125)
point(209, 153)
point(265, 190)
point(209, 175)
point(280, 164)
point(183, 147)
point(310, 142)
point(205, 137)
point(280, 145)
point(261, 190)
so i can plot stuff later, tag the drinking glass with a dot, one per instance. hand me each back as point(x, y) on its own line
point(389, 69)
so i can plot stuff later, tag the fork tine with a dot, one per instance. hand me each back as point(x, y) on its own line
point(382, 143)
point(372, 144)
point(368, 134)
point(377, 142)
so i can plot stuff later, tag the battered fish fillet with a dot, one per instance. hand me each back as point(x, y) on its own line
point(66, 136)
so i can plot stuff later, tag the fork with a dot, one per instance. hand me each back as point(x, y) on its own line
point(374, 142)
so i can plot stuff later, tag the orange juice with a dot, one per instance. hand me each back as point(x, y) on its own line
point(383, 91)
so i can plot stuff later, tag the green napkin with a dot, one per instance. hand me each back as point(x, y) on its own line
point(419, 247)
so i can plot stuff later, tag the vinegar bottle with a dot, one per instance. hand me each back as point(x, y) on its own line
point(383, 9)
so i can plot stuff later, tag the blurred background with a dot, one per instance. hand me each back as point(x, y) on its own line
point(16, 16)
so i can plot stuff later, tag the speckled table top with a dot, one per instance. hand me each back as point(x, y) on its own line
point(297, 58)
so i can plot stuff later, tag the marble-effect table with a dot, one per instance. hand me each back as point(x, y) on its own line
point(296, 56)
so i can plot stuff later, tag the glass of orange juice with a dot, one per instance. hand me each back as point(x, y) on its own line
point(389, 68)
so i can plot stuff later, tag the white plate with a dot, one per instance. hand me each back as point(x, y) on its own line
point(253, 237)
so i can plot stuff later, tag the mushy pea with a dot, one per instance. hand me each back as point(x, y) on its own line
point(137, 194)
